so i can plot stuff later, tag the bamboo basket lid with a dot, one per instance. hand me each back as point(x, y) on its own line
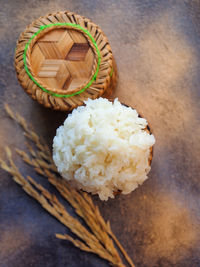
point(63, 59)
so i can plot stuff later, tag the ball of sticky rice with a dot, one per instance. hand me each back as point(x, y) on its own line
point(103, 147)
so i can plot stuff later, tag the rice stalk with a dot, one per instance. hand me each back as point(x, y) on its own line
point(101, 236)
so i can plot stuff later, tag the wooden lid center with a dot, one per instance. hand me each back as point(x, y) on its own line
point(62, 60)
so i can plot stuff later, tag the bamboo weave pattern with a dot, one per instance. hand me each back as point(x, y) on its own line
point(63, 59)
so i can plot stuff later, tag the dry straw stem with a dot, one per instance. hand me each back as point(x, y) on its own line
point(44, 151)
point(42, 162)
point(50, 203)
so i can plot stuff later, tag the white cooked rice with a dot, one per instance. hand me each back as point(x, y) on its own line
point(103, 147)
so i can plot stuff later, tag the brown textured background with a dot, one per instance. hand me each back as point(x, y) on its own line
point(157, 48)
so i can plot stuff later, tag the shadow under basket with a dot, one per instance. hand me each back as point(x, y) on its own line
point(63, 59)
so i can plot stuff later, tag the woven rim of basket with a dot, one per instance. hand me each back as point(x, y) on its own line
point(42, 31)
point(98, 87)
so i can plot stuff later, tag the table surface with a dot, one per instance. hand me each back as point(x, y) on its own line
point(157, 48)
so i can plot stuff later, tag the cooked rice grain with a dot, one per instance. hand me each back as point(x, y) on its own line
point(103, 147)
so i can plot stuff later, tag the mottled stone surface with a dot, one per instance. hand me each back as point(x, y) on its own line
point(157, 48)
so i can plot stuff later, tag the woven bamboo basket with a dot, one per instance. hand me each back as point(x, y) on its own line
point(62, 59)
